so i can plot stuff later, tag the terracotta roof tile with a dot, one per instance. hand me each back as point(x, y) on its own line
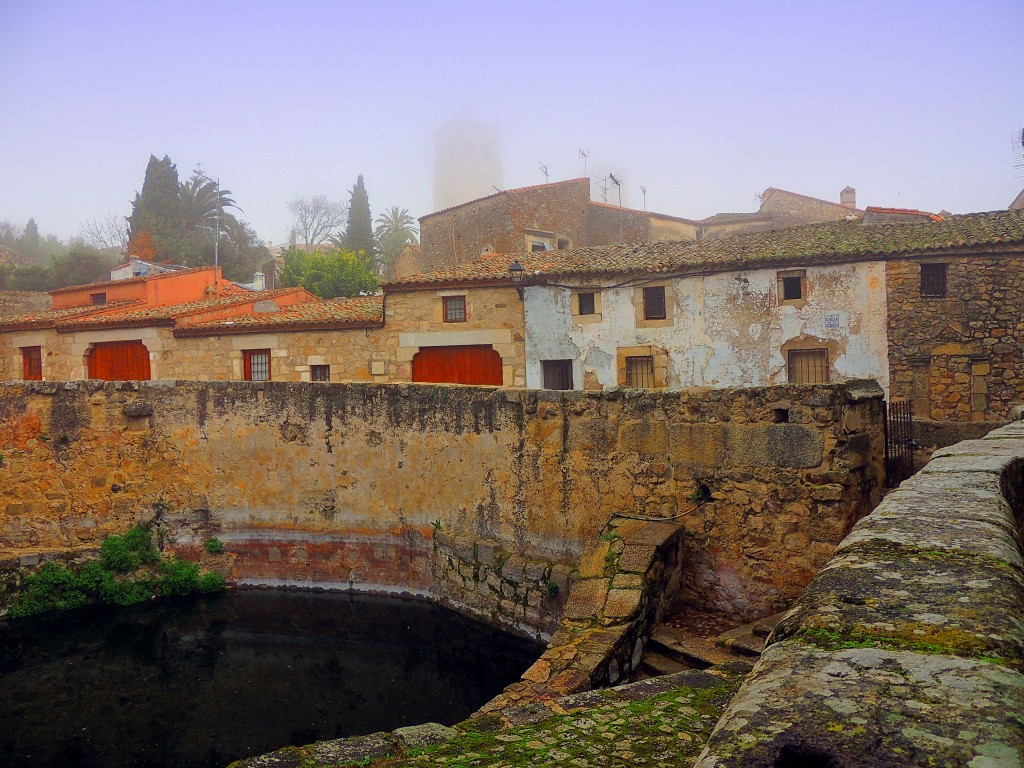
point(164, 315)
point(48, 318)
point(356, 312)
point(503, 192)
point(829, 242)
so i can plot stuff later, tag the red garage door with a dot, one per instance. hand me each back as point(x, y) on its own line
point(119, 361)
point(476, 364)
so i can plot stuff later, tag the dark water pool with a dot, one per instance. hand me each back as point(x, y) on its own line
point(206, 681)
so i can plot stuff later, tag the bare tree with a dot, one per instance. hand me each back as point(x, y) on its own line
point(316, 218)
point(109, 232)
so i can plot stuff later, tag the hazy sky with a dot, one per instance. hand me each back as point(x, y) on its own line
point(704, 103)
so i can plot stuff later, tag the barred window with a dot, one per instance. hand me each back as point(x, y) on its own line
point(933, 280)
point(320, 372)
point(808, 366)
point(640, 371)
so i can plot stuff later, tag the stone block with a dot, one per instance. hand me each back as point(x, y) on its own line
point(774, 445)
point(648, 438)
point(700, 445)
point(622, 603)
point(653, 534)
point(586, 599)
point(636, 559)
point(594, 559)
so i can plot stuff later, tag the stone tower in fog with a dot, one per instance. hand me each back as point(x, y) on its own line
point(467, 162)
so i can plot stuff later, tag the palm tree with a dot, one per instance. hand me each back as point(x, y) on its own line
point(201, 199)
point(394, 231)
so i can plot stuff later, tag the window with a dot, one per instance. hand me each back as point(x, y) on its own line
point(933, 280)
point(654, 303)
point(563, 244)
point(792, 286)
point(320, 372)
point(32, 363)
point(640, 372)
point(98, 298)
point(557, 374)
point(257, 364)
point(454, 309)
point(537, 246)
point(808, 366)
point(586, 303)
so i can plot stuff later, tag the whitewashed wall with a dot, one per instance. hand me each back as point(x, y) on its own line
point(727, 329)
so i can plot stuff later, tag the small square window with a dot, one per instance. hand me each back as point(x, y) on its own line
point(640, 372)
point(32, 363)
point(536, 246)
point(563, 244)
point(454, 309)
point(933, 280)
point(808, 366)
point(654, 303)
point(557, 374)
point(792, 286)
point(586, 303)
point(257, 364)
point(320, 372)
point(98, 298)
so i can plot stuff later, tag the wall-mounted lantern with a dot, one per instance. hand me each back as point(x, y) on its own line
point(516, 273)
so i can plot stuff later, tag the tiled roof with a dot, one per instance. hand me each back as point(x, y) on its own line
point(129, 280)
point(164, 315)
point(834, 241)
point(356, 312)
point(902, 212)
point(48, 318)
point(650, 214)
point(728, 218)
point(504, 192)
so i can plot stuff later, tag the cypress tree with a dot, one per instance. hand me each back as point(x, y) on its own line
point(359, 230)
point(158, 210)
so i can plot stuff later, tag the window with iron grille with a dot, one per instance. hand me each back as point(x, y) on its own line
point(808, 366)
point(557, 374)
point(32, 363)
point(454, 309)
point(257, 364)
point(640, 371)
point(933, 280)
point(586, 302)
point(98, 298)
point(654, 303)
point(320, 372)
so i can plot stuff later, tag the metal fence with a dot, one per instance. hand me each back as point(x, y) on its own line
point(899, 441)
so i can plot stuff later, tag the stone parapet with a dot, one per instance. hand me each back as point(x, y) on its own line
point(908, 647)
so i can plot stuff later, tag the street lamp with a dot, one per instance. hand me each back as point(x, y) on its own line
point(516, 273)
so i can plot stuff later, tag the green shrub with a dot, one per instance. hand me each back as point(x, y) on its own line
point(210, 582)
point(214, 546)
point(126, 553)
point(52, 587)
point(178, 577)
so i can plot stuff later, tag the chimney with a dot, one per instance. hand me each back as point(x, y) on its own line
point(259, 281)
point(848, 198)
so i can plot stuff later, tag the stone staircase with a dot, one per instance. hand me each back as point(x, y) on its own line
point(672, 649)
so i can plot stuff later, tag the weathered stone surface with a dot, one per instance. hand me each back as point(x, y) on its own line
point(870, 708)
point(425, 735)
point(586, 598)
point(622, 603)
point(354, 749)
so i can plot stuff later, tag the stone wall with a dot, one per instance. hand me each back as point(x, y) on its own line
point(908, 647)
point(958, 356)
point(23, 302)
point(346, 484)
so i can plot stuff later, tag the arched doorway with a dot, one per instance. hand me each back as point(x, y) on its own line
point(119, 361)
point(471, 364)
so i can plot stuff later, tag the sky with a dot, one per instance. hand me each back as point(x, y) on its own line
point(705, 104)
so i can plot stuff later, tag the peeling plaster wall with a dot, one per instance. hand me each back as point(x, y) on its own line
point(725, 329)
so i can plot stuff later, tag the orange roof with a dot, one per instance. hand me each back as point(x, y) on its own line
point(903, 212)
point(49, 318)
point(332, 314)
point(130, 280)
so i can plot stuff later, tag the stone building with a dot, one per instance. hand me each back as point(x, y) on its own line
point(554, 216)
point(780, 208)
point(467, 162)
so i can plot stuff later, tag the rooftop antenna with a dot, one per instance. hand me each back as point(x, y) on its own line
point(584, 154)
point(618, 183)
point(603, 184)
point(643, 191)
point(497, 189)
point(1017, 146)
point(544, 170)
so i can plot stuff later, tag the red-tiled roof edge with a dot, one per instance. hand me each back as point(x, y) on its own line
point(903, 212)
point(139, 279)
point(84, 311)
point(475, 282)
point(504, 192)
point(222, 329)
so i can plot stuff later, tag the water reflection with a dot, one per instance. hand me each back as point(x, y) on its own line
point(206, 681)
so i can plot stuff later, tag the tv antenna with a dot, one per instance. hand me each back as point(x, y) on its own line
point(618, 183)
point(643, 191)
point(1017, 146)
point(544, 170)
point(584, 154)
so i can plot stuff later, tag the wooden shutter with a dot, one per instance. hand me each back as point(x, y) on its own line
point(119, 361)
point(474, 364)
point(32, 363)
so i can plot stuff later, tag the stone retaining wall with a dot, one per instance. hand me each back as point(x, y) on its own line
point(345, 484)
point(908, 648)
